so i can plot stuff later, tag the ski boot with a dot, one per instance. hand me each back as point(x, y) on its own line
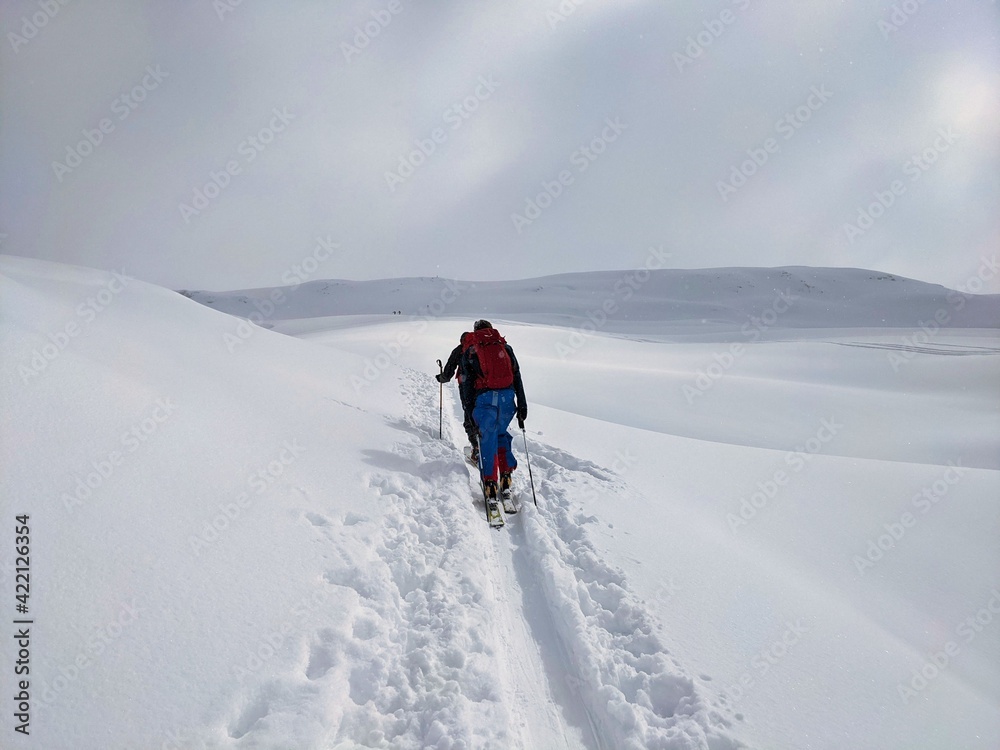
point(510, 505)
point(491, 489)
point(493, 514)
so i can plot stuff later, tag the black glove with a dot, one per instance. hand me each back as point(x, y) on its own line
point(522, 413)
point(441, 378)
point(520, 423)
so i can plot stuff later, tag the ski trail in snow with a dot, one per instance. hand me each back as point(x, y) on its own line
point(634, 692)
point(538, 690)
point(439, 632)
point(573, 614)
point(543, 660)
point(940, 348)
point(428, 677)
point(533, 705)
point(407, 656)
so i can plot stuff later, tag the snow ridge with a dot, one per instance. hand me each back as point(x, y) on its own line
point(636, 695)
point(682, 302)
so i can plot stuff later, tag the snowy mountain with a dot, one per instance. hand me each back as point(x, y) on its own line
point(706, 304)
point(777, 537)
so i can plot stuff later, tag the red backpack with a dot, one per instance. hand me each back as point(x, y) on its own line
point(494, 362)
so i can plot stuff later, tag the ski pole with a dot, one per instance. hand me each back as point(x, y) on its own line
point(527, 456)
point(482, 482)
point(440, 402)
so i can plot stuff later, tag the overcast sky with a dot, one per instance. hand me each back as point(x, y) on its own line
point(726, 133)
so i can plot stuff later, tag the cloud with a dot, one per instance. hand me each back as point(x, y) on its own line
point(562, 70)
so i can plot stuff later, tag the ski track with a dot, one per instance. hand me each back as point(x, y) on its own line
point(616, 672)
point(635, 695)
point(940, 348)
point(440, 632)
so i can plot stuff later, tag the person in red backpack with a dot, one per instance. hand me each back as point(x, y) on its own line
point(498, 395)
point(453, 367)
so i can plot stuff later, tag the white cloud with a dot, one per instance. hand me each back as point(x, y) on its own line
point(557, 84)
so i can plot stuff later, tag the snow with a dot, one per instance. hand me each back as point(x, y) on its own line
point(754, 547)
point(721, 303)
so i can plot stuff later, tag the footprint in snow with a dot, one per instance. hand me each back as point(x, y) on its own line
point(317, 520)
point(322, 654)
point(252, 713)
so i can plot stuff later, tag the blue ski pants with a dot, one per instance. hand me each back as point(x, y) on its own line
point(493, 412)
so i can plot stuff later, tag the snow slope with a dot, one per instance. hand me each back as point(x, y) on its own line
point(276, 550)
point(265, 557)
point(708, 304)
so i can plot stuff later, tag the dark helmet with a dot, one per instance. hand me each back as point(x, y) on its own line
point(480, 324)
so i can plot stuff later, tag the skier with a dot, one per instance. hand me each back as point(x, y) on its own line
point(453, 367)
point(492, 368)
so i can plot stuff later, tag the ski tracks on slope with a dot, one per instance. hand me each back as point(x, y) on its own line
point(636, 696)
point(426, 672)
point(439, 632)
point(605, 664)
point(405, 655)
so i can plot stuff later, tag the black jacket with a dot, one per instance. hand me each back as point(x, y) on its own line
point(465, 392)
point(453, 364)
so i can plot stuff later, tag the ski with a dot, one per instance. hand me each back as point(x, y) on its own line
point(493, 515)
point(510, 503)
point(467, 452)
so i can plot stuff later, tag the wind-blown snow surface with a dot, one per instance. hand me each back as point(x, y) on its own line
point(276, 550)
